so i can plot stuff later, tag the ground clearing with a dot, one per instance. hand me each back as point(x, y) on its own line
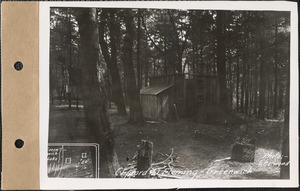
point(200, 150)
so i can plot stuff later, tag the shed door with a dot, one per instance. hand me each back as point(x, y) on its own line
point(165, 106)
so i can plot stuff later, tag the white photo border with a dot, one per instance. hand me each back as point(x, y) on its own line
point(118, 183)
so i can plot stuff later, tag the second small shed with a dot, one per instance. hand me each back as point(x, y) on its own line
point(157, 101)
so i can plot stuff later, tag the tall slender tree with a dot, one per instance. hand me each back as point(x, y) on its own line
point(94, 99)
point(221, 59)
point(111, 59)
point(138, 51)
point(262, 86)
point(275, 68)
point(237, 83)
point(136, 110)
point(285, 149)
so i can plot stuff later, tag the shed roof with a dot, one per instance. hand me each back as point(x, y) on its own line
point(155, 90)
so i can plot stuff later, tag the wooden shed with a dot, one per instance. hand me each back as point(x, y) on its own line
point(190, 93)
point(157, 101)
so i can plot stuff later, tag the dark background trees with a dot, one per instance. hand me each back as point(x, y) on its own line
point(247, 50)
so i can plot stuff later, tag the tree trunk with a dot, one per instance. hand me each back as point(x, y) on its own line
point(230, 83)
point(178, 47)
point(237, 82)
point(247, 81)
point(250, 87)
point(246, 91)
point(138, 51)
point(262, 86)
point(165, 57)
point(193, 58)
point(111, 60)
point(243, 84)
point(136, 110)
point(221, 60)
point(285, 169)
point(108, 85)
point(280, 97)
point(69, 56)
point(95, 111)
point(146, 68)
point(275, 70)
point(245, 66)
point(269, 89)
point(61, 95)
point(255, 83)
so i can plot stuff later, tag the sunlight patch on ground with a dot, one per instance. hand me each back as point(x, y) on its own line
point(265, 166)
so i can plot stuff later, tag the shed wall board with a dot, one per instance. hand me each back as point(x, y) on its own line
point(156, 107)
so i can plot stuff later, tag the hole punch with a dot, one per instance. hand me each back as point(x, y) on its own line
point(19, 143)
point(18, 66)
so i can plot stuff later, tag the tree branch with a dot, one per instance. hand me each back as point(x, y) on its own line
point(103, 43)
point(148, 35)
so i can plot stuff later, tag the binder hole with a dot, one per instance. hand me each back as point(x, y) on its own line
point(18, 66)
point(19, 143)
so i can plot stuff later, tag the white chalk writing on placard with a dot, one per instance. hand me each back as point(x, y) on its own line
point(72, 160)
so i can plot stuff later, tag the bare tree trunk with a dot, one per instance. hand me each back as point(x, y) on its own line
point(285, 169)
point(269, 89)
point(138, 51)
point(230, 82)
point(176, 47)
point(146, 68)
point(194, 58)
point(262, 86)
point(248, 82)
point(280, 97)
point(61, 94)
point(221, 60)
point(165, 57)
point(200, 61)
point(237, 82)
point(255, 83)
point(243, 85)
point(69, 56)
point(247, 88)
point(275, 70)
point(94, 99)
point(136, 110)
point(251, 87)
point(111, 60)
point(108, 89)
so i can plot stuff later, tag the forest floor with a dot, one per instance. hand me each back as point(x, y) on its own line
point(199, 151)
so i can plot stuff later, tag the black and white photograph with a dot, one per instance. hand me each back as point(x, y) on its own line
point(169, 93)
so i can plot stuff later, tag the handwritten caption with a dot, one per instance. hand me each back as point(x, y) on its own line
point(121, 172)
point(273, 159)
